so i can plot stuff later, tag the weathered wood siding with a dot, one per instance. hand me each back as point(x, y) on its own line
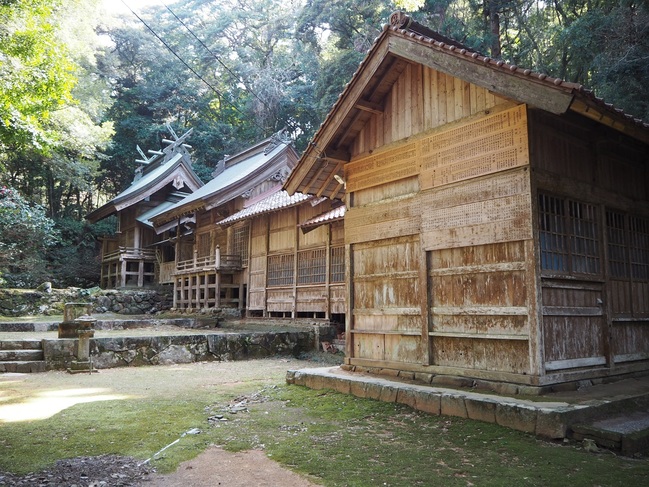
point(592, 198)
point(276, 286)
point(420, 100)
point(479, 305)
point(440, 233)
point(257, 266)
point(387, 313)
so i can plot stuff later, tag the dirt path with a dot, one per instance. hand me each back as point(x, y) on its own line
point(216, 467)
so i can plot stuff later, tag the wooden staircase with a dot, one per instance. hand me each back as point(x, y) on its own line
point(21, 356)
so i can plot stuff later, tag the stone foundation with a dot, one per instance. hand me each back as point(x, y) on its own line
point(161, 350)
point(22, 302)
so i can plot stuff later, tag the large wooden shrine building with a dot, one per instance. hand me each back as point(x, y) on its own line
point(239, 241)
point(253, 246)
point(497, 220)
point(130, 259)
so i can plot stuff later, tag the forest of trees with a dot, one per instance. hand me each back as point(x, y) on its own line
point(79, 89)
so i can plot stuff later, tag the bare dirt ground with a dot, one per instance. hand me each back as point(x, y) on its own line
point(211, 468)
point(217, 467)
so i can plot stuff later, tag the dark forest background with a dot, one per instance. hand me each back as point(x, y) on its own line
point(79, 88)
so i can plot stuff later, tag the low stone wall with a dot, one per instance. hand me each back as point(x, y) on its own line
point(160, 350)
point(24, 302)
point(130, 302)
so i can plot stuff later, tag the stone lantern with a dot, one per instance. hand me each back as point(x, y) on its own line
point(84, 332)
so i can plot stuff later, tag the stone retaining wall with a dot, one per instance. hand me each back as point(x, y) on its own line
point(25, 302)
point(160, 350)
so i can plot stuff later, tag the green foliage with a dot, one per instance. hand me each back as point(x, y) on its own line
point(36, 75)
point(25, 234)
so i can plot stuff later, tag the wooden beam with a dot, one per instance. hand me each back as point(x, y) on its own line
point(329, 178)
point(367, 106)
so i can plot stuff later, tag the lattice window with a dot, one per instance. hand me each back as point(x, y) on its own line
point(280, 270)
point(312, 266)
point(639, 248)
point(240, 242)
point(337, 264)
point(617, 245)
point(554, 248)
point(584, 241)
point(628, 246)
point(569, 236)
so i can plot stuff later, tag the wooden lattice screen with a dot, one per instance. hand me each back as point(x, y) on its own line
point(569, 236)
point(337, 264)
point(280, 270)
point(312, 266)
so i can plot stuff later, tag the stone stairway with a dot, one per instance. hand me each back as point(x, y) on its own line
point(22, 356)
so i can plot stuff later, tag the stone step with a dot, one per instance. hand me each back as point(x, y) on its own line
point(21, 345)
point(23, 367)
point(21, 355)
point(23, 326)
point(628, 433)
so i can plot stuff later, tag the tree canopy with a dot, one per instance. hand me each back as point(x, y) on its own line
point(80, 89)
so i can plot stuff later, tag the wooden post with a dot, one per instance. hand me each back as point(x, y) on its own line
point(328, 274)
point(349, 305)
point(217, 258)
point(140, 274)
point(122, 278)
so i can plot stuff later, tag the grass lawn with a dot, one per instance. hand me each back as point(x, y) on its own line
point(338, 439)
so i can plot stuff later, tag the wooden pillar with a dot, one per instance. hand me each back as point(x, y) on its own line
point(122, 278)
point(425, 304)
point(217, 290)
point(328, 274)
point(140, 274)
point(349, 305)
point(295, 264)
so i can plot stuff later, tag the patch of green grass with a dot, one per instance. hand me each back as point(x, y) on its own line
point(339, 439)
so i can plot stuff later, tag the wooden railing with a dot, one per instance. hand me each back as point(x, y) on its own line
point(134, 253)
point(218, 261)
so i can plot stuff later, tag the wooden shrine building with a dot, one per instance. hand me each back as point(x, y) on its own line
point(251, 245)
point(497, 220)
point(131, 259)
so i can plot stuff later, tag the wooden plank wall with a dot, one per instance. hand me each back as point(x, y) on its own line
point(278, 234)
point(387, 314)
point(479, 305)
point(257, 263)
point(420, 100)
point(599, 167)
point(456, 202)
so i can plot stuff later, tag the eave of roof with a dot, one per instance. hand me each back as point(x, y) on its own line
point(335, 214)
point(551, 94)
point(276, 201)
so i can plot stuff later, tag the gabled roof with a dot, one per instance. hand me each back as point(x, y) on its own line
point(240, 173)
point(278, 200)
point(173, 165)
point(320, 168)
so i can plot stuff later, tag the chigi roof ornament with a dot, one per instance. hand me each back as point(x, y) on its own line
point(278, 138)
